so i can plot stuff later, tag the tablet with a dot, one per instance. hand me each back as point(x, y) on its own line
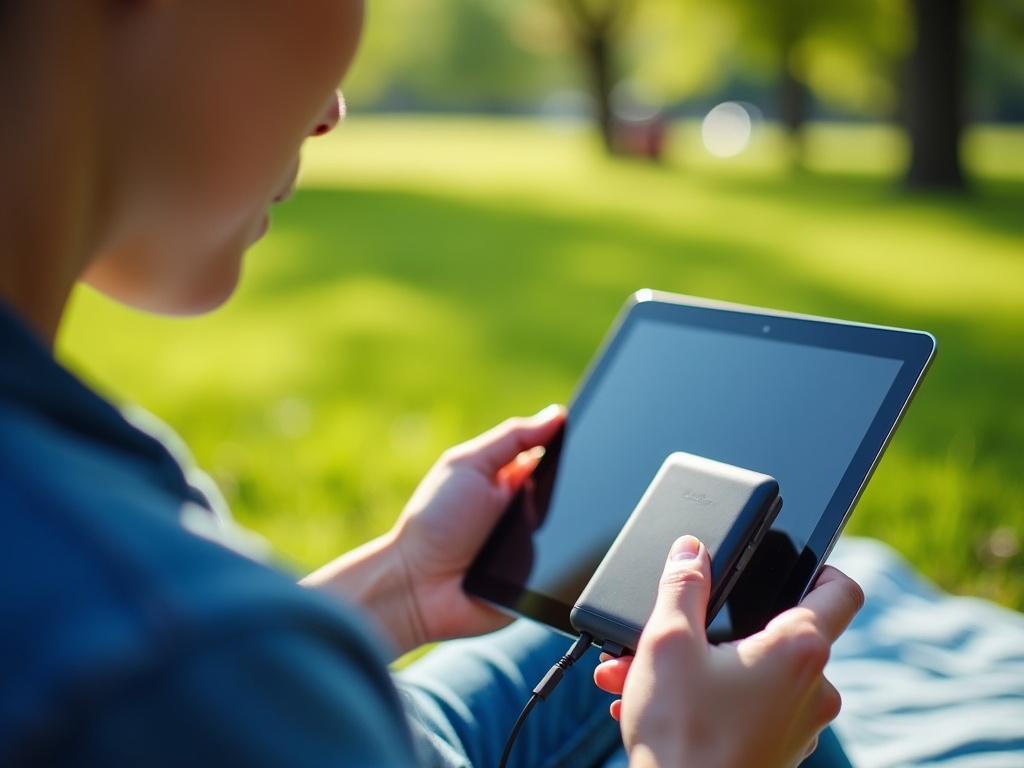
point(810, 401)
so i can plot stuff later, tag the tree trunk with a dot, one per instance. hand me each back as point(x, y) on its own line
point(793, 111)
point(933, 109)
point(792, 102)
point(593, 26)
point(597, 57)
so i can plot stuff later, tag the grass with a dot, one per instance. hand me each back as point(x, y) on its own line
point(433, 276)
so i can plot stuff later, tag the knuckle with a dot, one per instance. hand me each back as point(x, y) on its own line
point(459, 455)
point(682, 578)
point(453, 454)
point(831, 703)
point(512, 425)
point(511, 430)
point(667, 637)
point(808, 650)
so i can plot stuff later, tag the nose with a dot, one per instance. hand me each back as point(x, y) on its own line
point(332, 115)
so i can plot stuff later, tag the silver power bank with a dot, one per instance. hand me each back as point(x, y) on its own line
point(728, 508)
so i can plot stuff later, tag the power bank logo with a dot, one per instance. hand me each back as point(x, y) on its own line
point(700, 501)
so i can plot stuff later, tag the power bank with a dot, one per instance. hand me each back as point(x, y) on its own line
point(726, 507)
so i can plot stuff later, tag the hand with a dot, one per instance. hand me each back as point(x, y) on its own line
point(760, 701)
point(410, 579)
point(452, 512)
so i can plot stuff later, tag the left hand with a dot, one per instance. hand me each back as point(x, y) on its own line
point(452, 512)
point(410, 579)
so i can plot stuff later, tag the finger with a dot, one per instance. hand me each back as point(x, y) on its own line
point(499, 446)
point(616, 708)
point(610, 676)
point(833, 602)
point(829, 703)
point(681, 607)
point(513, 474)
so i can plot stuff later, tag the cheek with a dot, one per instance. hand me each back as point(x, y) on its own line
point(210, 138)
point(220, 128)
point(268, 93)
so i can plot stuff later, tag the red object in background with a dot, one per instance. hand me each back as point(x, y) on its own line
point(641, 138)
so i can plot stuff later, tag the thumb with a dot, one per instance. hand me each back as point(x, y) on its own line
point(682, 603)
point(494, 449)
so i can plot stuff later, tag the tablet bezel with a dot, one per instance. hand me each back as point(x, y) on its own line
point(915, 349)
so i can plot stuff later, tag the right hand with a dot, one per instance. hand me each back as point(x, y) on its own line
point(760, 701)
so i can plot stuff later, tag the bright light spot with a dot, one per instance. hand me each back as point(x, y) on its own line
point(726, 130)
point(1004, 543)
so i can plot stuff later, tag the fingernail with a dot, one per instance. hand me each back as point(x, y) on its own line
point(533, 454)
point(548, 413)
point(685, 548)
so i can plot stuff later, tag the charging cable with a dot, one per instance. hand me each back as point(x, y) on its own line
point(546, 686)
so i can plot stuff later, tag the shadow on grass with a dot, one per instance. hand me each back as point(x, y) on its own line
point(995, 207)
point(541, 289)
point(545, 288)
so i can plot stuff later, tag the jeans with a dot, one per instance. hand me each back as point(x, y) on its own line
point(463, 698)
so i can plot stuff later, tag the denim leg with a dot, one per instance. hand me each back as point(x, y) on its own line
point(464, 697)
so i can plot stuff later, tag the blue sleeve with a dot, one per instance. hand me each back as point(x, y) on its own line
point(272, 698)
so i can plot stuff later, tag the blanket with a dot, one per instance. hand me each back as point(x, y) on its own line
point(927, 678)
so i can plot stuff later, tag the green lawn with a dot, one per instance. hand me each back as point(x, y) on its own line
point(433, 276)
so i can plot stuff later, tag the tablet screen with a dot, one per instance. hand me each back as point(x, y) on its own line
point(799, 412)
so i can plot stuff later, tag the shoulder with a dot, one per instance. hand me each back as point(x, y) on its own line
point(102, 588)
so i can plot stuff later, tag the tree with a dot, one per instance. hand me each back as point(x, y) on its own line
point(934, 108)
point(995, 67)
point(595, 26)
point(936, 81)
point(844, 51)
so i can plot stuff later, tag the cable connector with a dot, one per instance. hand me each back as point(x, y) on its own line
point(615, 650)
point(554, 675)
point(546, 686)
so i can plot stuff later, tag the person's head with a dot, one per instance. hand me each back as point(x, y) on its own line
point(165, 128)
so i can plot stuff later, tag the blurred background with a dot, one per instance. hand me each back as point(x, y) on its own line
point(511, 170)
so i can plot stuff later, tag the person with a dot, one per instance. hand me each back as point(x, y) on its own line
point(142, 143)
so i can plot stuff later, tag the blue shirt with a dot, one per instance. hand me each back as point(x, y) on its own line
point(125, 639)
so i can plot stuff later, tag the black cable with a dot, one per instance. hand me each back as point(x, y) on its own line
point(546, 686)
point(515, 729)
